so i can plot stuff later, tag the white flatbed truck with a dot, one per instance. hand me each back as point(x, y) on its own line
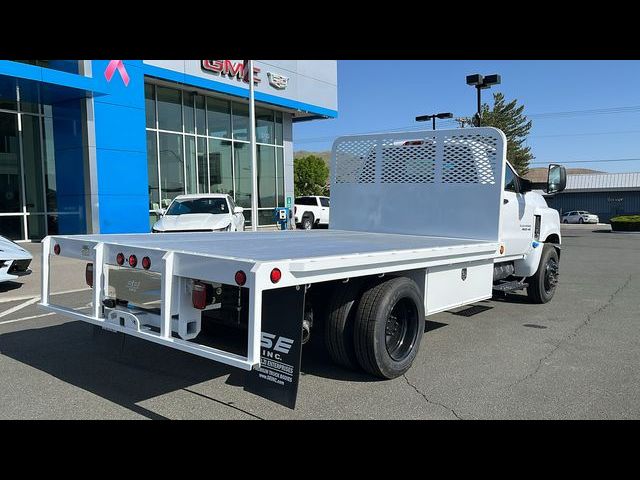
point(421, 222)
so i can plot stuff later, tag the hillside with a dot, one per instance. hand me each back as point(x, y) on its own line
point(326, 156)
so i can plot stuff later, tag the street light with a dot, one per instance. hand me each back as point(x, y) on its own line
point(425, 118)
point(481, 82)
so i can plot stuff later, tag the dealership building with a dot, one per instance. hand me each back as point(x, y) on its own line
point(98, 146)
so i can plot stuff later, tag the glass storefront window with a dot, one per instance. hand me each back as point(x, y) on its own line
point(203, 170)
point(240, 121)
point(169, 109)
point(152, 168)
point(218, 118)
point(171, 167)
point(8, 96)
point(150, 105)
point(264, 125)
point(243, 174)
point(213, 133)
point(280, 175)
point(50, 167)
point(200, 116)
point(278, 128)
point(190, 159)
point(266, 176)
point(189, 118)
point(10, 174)
point(220, 167)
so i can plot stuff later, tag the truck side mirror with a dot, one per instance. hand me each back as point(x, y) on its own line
point(556, 179)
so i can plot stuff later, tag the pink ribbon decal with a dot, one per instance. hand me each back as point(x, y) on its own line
point(111, 69)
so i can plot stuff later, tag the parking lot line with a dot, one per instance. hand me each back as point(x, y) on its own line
point(20, 307)
point(27, 318)
point(26, 297)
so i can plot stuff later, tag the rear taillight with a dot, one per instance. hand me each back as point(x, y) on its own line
point(88, 274)
point(133, 261)
point(120, 259)
point(146, 263)
point(199, 295)
point(241, 277)
point(56, 249)
point(276, 275)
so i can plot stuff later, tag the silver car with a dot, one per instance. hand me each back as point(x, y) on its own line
point(14, 260)
point(579, 216)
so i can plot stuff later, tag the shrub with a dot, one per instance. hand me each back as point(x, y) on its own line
point(626, 223)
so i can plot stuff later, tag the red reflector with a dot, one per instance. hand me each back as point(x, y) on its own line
point(133, 261)
point(56, 249)
point(276, 275)
point(241, 277)
point(120, 259)
point(88, 274)
point(146, 263)
point(199, 295)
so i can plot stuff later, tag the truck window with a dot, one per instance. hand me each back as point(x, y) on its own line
point(324, 202)
point(510, 179)
point(306, 201)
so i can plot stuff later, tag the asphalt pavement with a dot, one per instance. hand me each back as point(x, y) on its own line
point(576, 357)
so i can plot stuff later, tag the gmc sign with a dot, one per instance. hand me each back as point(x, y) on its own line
point(231, 69)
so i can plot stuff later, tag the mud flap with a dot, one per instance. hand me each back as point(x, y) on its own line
point(281, 347)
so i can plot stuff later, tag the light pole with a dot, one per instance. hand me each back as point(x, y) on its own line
point(425, 118)
point(481, 82)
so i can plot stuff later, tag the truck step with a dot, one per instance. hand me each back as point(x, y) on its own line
point(509, 286)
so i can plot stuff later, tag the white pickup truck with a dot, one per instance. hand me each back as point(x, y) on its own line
point(366, 284)
point(311, 211)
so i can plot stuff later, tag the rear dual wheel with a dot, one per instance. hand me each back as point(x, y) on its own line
point(379, 329)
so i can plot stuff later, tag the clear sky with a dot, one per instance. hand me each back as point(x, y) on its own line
point(581, 110)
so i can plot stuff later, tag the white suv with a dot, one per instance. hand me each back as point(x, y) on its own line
point(579, 216)
point(311, 211)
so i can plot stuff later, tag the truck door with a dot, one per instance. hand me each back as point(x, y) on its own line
point(324, 210)
point(517, 217)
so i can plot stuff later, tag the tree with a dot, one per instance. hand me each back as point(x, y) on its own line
point(310, 175)
point(509, 118)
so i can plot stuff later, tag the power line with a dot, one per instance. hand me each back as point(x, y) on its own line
point(607, 160)
point(539, 116)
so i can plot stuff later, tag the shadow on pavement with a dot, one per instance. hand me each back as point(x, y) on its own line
point(8, 286)
point(99, 362)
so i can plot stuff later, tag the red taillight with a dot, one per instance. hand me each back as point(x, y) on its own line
point(133, 261)
point(56, 249)
point(120, 259)
point(276, 275)
point(199, 295)
point(88, 274)
point(241, 277)
point(146, 263)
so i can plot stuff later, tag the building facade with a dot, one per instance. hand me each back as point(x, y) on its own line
point(98, 146)
point(605, 194)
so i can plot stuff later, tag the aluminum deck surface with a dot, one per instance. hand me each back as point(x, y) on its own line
point(290, 244)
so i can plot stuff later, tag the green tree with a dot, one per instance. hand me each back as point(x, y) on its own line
point(509, 118)
point(310, 175)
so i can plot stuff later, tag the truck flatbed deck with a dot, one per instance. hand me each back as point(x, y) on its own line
point(296, 246)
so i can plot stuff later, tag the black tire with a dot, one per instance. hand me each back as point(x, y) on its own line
point(307, 221)
point(543, 283)
point(339, 323)
point(384, 347)
point(565, 221)
point(580, 220)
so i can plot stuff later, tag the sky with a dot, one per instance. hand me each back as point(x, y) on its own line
point(581, 110)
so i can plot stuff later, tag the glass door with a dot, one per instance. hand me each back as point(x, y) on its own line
point(33, 176)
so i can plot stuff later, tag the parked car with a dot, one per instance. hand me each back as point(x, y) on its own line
point(579, 216)
point(215, 212)
point(14, 260)
point(311, 211)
